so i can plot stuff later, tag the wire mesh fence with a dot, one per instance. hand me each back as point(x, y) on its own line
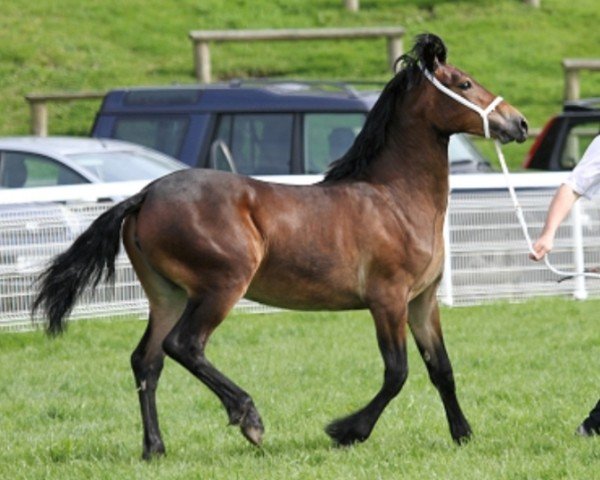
point(488, 255)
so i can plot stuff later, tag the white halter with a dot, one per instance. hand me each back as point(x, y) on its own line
point(482, 112)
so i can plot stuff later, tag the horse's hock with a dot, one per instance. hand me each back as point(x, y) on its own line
point(201, 40)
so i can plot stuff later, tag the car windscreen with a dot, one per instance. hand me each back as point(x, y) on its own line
point(120, 166)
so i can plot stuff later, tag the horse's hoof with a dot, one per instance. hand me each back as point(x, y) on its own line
point(347, 431)
point(252, 427)
point(153, 452)
point(462, 436)
point(253, 434)
point(462, 440)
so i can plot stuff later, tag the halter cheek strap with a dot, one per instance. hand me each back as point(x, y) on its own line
point(484, 113)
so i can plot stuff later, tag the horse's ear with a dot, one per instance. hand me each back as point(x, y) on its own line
point(430, 51)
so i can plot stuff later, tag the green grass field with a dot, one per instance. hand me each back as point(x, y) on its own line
point(526, 373)
point(69, 46)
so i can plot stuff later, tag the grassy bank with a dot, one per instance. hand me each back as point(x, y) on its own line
point(526, 376)
point(67, 45)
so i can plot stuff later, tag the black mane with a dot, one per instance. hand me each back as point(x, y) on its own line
point(428, 50)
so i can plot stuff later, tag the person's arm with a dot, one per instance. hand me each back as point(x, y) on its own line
point(562, 202)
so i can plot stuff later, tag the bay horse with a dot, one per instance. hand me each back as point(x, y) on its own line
point(369, 236)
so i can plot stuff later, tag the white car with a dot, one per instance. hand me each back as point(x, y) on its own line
point(29, 162)
point(50, 161)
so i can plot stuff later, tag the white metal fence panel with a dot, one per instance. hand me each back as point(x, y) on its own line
point(489, 254)
point(487, 259)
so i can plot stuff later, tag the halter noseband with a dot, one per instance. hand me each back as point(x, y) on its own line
point(482, 112)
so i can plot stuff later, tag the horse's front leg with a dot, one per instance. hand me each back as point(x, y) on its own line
point(390, 323)
point(424, 321)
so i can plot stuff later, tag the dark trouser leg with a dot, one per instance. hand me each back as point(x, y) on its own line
point(592, 423)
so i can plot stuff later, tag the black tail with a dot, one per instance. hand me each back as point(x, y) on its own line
point(95, 250)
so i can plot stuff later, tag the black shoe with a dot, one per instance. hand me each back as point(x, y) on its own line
point(587, 429)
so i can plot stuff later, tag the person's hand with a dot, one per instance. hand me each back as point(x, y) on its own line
point(541, 247)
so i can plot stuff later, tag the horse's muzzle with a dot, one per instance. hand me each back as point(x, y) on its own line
point(522, 129)
point(513, 128)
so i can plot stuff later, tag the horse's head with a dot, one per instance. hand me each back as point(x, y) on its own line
point(458, 103)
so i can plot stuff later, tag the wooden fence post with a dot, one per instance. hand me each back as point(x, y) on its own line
point(202, 62)
point(394, 51)
point(572, 86)
point(39, 117)
point(351, 5)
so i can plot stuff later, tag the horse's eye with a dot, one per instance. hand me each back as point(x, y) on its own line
point(465, 85)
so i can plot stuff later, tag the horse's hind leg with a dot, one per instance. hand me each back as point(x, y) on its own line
point(147, 363)
point(390, 323)
point(186, 344)
point(166, 304)
point(424, 321)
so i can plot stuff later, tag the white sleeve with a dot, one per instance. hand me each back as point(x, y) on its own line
point(585, 177)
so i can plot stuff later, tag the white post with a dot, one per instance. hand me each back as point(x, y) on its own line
point(448, 298)
point(580, 292)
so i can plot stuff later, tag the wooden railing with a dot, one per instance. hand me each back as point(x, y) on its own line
point(38, 102)
point(572, 67)
point(39, 109)
point(201, 40)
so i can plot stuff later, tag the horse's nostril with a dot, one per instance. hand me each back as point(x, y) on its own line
point(524, 125)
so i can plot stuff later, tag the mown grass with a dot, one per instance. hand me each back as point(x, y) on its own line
point(526, 373)
point(68, 45)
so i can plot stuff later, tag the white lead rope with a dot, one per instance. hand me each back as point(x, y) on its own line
point(521, 218)
point(484, 113)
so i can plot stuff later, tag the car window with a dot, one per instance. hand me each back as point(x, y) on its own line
point(327, 137)
point(579, 137)
point(260, 144)
point(460, 148)
point(120, 166)
point(24, 170)
point(162, 133)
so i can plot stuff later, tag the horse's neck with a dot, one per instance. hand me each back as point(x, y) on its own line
point(414, 162)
